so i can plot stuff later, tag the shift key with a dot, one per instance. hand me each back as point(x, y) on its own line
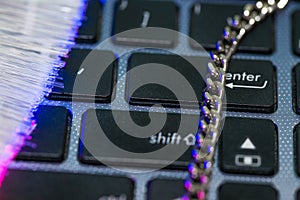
point(138, 139)
point(251, 86)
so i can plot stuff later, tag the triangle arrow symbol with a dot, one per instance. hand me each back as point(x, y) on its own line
point(247, 144)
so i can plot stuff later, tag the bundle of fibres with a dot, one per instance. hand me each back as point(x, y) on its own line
point(34, 34)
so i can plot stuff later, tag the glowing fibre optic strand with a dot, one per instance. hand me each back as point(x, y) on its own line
point(33, 36)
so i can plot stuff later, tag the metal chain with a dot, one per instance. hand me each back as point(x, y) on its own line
point(211, 120)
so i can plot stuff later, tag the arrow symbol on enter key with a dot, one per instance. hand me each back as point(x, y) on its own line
point(231, 86)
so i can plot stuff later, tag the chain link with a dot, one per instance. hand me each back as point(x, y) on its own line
point(211, 120)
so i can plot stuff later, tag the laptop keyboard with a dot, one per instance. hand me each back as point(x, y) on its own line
point(258, 153)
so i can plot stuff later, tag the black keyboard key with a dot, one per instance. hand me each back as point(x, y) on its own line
point(158, 91)
point(144, 13)
point(203, 15)
point(238, 191)
point(296, 32)
point(251, 86)
point(89, 31)
point(115, 141)
point(298, 195)
point(165, 189)
point(33, 185)
point(48, 142)
point(248, 146)
point(296, 89)
point(86, 67)
point(297, 148)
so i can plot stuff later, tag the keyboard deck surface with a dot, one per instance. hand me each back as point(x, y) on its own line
point(285, 180)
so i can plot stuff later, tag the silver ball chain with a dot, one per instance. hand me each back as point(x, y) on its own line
point(211, 120)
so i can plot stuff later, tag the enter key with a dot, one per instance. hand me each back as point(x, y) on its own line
point(251, 86)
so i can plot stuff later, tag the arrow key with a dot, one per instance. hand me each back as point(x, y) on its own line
point(248, 146)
